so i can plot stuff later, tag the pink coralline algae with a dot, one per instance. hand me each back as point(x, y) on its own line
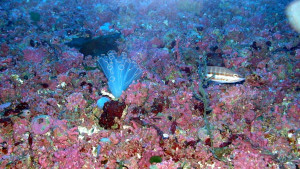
point(136, 94)
point(68, 60)
point(4, 49)
point(49, 116)
point(247, 157)
point(34, 55)
point(75, 101)
point(73, 57)
point(239, 94)
point(69, 158)
point(62, 135)
point(170, 164)
point(41, 124)
point(21, 127)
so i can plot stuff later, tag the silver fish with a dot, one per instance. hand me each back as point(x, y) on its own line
point(223, 75)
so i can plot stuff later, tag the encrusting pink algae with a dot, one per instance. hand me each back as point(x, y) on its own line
point(188, 84)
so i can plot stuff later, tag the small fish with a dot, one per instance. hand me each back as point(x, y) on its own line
point(223, 75)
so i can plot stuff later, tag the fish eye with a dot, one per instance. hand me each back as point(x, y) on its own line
point(235, 75)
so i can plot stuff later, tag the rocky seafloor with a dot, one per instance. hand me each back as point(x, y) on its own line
point(50, 83)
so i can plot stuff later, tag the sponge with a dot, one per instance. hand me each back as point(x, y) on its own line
point(102, 101)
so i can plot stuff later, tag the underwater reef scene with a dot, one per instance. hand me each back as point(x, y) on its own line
point(159, 84)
